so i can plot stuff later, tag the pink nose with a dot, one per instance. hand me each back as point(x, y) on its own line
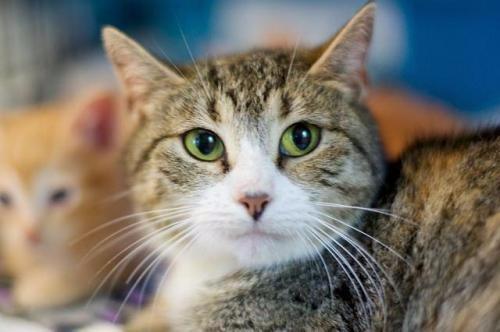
point(255, 204)
point(32, 235)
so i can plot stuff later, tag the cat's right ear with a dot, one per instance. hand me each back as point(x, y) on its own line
point(341, 60)
point(139, 72)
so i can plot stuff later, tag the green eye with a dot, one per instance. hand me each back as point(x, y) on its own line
point(203, 145)
point(299, 139)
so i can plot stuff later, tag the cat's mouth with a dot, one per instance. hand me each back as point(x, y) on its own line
point(258, 234)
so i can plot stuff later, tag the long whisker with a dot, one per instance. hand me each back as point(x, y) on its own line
point(124, 193)
point(198, 72)
point(150, 256)
point(125, 218)
point(343, 265)
point(164, 249)
point(145, 241)
point(394, 252)
point(292, 60)
point(369, 258)
point(125, 231)
point(320, 256)
point(377, 285)
point(171, 264)
point(338, 244)
point(383, 212)
point(160, 248)
point(165, 56)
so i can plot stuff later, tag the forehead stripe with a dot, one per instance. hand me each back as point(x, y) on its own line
point(213, 111)
point(146, 154)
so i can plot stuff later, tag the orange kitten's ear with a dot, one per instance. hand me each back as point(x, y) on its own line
point(342, 59)
point(139, 72)
point(97, 122)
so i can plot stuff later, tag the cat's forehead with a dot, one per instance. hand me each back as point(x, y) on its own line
point(30, 142)
point(255, 73)
point(255, 94)
point(241, 90)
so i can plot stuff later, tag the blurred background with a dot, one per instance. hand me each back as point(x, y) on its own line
point(439, 55)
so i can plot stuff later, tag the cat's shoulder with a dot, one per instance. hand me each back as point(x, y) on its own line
point(464, 145)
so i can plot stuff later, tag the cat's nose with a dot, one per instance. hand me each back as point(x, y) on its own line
point(255, 204)
point(32, 235)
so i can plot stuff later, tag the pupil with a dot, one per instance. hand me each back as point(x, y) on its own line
point(301, 136)
point(205, 142)
point(59, 196)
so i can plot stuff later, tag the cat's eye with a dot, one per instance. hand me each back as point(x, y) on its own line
point(5, 199)
point(299, 139)
point(203, 145)
point(59, 196)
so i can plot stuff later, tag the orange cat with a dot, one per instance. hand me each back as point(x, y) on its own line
point(58, 173)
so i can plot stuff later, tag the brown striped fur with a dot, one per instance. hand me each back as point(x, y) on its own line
point(446, 196)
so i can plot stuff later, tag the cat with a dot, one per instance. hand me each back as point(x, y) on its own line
point(441, 272)
point(58, 173)
point(239, 153)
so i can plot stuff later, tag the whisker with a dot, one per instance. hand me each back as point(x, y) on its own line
point(338, 244)
point(138, 267)
point(125, 218)
point(126, 231)
point(162, 248)
point(171, 264)
point(292, 60)
point(171, 63)
point(377, 285)
point(344, 265)
point(320, 256)
point(121, 194)
point(394, 252)
point(146, 240)
point(359, 247)
point(203, 83)
point(380, 211)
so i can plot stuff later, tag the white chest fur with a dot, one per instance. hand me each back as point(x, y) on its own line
point(187, 279)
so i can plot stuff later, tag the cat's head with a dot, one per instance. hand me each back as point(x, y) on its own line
point(55, 166)
point(248, 152)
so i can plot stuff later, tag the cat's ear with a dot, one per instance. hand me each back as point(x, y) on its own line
point(139, 72)
point(342, 58)
point(97, 122)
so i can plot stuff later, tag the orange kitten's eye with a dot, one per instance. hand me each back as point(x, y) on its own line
point(5, 199)
point(59, 196)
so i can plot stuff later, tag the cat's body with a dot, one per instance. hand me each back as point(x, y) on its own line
point(451, 190)
point(446, 196)
point(258, 162)
point(58, 177)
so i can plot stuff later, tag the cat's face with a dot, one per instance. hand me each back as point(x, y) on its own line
point(46, 170)
point(248, 150)
point(35, 184)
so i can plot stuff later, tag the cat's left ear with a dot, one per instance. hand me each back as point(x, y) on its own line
point(97, 122)
point(139, 71)
point(342, 59)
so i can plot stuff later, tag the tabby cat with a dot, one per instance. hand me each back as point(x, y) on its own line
point(58, 175)
point(258, 166)
point(436, 252)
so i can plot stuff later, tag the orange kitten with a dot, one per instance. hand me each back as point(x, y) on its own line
point(58, 171)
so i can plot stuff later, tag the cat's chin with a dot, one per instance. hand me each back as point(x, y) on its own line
point(256, 249)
